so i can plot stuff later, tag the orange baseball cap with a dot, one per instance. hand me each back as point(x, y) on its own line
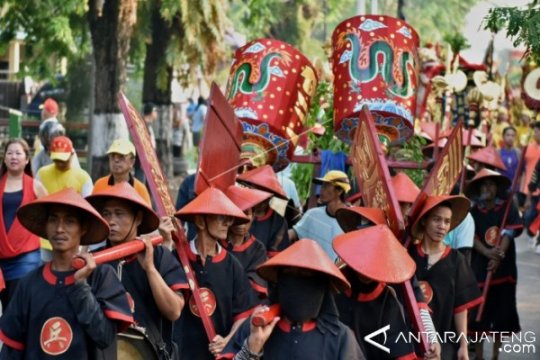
point(50, 106)
point(61, 148)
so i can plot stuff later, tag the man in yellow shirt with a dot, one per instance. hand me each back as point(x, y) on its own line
point(60, 175)
point(121, 162)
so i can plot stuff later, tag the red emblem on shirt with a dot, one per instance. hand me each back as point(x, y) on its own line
point(491, 235)
point(426, 290)
point(208, 299)
point(56, 336)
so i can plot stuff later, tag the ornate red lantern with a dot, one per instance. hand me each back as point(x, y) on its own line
point(270, 88)
point(375, 63)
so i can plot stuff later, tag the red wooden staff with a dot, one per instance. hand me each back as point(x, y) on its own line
point(157, 184)
point(116, 252)
point(509, 204)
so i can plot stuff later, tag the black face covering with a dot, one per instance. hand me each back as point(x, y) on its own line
point(301, 297)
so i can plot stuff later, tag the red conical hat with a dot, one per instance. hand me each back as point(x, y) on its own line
point(124, 191)
point(33, 215)
point(375, 253)
point(428, 149)
point(246, 198)
point(263, 178)
point(350, 217)
point(460, 207)
point(303, 254)
point(404, 188)
point(211, 202)
point(473, 187)
point(475, 142)
point(488, 156)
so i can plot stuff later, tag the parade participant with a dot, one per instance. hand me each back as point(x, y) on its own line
point(60, 175)
point(57, 311)
point(487, 157)
point(488, 189)
point(19, 248)
point(223, 284)
point(156, 280)
point(501, 122)
point(309, 326)
point(122, 156)
point(523, 127)
point(532, 155)
point(446, 279)
point(372, 258)
point(510, 154)
point(320, 223)
point(268, 226)
point(244, 246)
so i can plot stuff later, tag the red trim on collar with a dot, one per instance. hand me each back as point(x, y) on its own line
point(258, 288)
point(243, 247)
point(364, 297)
point(215, 259)
point(124, 320)
point(285, 325)
point(421, 252)
point(49, 276)
point(265, 216)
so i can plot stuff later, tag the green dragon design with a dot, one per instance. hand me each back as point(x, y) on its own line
point(240, 80)
point(367, 74)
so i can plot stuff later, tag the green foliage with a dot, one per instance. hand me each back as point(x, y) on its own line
point(412, 151)
point(321, 112)
point(457, 42)
point(521, 24)
point(51, 30)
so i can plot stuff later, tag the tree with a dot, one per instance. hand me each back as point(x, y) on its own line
point(73, 29)
point(521, 24)
point(183, 35)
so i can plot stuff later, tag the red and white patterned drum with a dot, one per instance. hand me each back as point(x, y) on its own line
point(375, 63)
point(270, 88)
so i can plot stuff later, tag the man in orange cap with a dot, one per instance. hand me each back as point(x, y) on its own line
point(320, 223)
point(243, 245)
point(489, 189)
point(371, 304)
point(446, 279)
point(222, 281)
point(57, 311)
point(156, 280)
point(268, 226)
point(308, 326)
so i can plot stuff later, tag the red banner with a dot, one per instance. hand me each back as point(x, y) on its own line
point(159, 189)
point(219, 151)
point(371, 172)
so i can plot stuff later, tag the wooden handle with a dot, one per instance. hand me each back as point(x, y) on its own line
point(266, 317)
point(116, 252)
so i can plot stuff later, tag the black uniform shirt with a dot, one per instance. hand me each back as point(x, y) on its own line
point(50, 315)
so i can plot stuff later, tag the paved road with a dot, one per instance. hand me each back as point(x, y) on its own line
point(528, 297)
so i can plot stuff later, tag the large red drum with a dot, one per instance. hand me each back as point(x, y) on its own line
point(375, 63)
point(270, 88)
